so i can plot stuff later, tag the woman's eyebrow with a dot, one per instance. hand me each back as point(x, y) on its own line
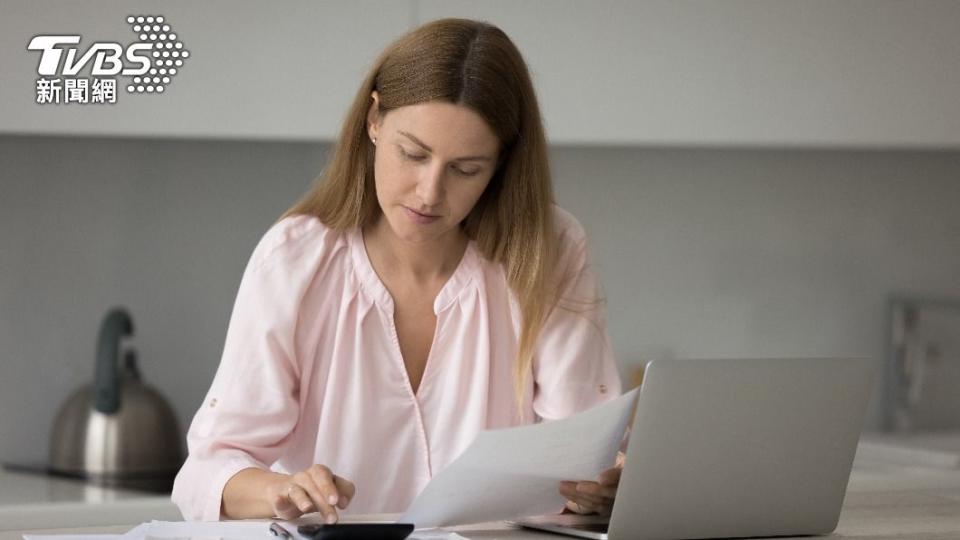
point(428, 149)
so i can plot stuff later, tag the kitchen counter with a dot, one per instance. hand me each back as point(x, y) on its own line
point(30, 501)
point(883, 501)
point(933, 448)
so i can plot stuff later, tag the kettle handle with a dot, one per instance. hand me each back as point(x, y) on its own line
point(106, 384)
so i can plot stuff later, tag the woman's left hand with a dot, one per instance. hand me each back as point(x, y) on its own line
point(589, 497)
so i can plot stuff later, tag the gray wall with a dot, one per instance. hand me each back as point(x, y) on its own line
point(702, 252)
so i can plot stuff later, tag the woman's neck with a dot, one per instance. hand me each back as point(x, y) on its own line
point(420, 262)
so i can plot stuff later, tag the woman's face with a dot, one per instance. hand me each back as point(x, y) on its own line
point(433, 161)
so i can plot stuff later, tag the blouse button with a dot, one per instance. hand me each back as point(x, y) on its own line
point(603, 389)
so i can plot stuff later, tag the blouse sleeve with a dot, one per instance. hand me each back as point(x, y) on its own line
point(252, 404)
point(574, 367)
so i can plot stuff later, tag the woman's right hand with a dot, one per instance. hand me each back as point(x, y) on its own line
point(315, 489)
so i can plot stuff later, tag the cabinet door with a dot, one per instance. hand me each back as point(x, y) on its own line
point(737, 72)
point(265, 70)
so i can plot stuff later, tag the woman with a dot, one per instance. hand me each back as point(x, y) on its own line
point(424, 290)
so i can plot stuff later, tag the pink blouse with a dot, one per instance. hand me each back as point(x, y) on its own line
point(312, 372)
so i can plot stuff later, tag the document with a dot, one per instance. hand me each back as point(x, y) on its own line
point(219, 530)
point(253, 530)
point(136, 533)
point(515, 472)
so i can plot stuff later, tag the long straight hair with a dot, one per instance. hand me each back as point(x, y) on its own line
point(473, 64)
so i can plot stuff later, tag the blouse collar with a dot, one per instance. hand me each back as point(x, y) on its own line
point(459, 282)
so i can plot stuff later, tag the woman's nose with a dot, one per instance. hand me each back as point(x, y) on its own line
point(430, 187)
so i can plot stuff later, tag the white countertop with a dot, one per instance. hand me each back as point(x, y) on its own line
point(30, 501)
point(934, 448)
point(883, 501)
point(18, 488)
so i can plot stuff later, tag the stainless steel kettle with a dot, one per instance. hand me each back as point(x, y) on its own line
point(117, 431)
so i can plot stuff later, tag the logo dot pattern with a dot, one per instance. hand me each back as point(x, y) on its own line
point(167, 52)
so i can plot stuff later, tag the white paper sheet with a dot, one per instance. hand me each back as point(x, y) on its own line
point(254, 530)
point(135, 533)
point(222, 530)
point(72, 537)
point(232, 530)
point(513, 473)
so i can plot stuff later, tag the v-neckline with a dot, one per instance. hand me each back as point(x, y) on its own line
point(456, 284)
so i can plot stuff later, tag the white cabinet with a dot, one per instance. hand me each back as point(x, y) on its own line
point(858, 73)
point(855, 73)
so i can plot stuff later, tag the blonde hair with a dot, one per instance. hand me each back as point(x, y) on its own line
point(473, 64)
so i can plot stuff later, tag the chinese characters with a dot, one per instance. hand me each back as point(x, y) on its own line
point(76, 90)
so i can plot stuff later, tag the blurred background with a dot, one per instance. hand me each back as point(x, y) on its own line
point(761, 179)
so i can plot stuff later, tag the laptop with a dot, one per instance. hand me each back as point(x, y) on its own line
point(734, 448)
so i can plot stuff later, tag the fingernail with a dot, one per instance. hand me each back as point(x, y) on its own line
point(331, 519)
point(332, 499)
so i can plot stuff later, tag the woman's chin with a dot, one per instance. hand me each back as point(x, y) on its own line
point(411, 232)
point(419, 237)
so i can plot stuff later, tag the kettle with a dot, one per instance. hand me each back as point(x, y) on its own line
point(117, 431)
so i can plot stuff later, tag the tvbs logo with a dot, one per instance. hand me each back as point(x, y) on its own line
point(107, 57)
point(152, 62)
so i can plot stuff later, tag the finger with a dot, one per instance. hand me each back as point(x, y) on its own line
point(284, 508)
point(579, 508)
point(346, 489)
point(317, 495)
point(293, 502)
point(610, 477)
point(603, 507)
point(323, 479)
point(598, 490)
point(599, 505)
point(591, 500)
point(569, 491)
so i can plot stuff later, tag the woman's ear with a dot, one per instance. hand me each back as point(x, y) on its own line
point(373, 116)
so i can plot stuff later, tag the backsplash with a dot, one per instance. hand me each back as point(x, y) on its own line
point(701, 252)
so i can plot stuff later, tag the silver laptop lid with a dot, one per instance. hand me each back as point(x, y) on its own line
point(741, 447)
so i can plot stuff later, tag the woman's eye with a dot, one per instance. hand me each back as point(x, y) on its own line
point(413, 157)
point(465, 173)
point(421, 157)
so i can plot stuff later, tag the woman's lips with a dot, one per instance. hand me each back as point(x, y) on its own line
point(419, 218)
